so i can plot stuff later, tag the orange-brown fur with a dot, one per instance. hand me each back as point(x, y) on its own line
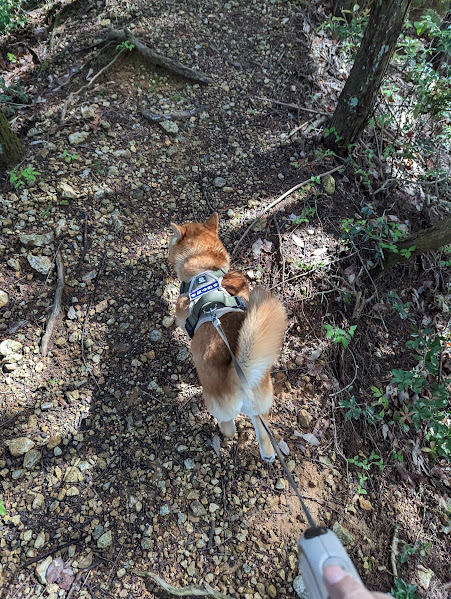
point(254, 336)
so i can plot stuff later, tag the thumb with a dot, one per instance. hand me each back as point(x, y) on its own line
point(341, 585)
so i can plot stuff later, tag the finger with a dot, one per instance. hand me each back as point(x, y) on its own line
point(342, 586)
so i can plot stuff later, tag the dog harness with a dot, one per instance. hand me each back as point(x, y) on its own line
point(208, 297)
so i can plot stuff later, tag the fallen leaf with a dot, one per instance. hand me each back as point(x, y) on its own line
point(257, 247)
point(297, 240)
point(284, 447)
point(365, 504)
point(216, 444)
point(309, 437)
point(54, 570)
point(314, 368)
point(66, 579)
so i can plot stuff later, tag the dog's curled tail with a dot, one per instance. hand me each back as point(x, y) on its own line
point(261, 335)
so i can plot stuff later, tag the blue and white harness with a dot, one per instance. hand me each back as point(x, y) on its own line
point(208, 298)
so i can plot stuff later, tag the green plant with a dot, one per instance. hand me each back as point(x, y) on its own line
point(348, 29)
point(305, 215)
point(2, 508)
point(69, 157)
point(428, 408)
point(12, 14)
point(401, 308)
point(338, 335)
point(404, 590)
point(381, 233)
point(11, 95)
point(365, 464)
point(125, 45)
point(423, 549)
point(24, 177)
point(357, 410)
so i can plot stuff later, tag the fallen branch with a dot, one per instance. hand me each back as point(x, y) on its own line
point(90, 82)
point(159, 59)
point(193, 590)
point(394, 552)
point(277, 201)
point(56, 306)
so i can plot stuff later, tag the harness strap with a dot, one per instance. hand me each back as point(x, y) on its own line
point(184, 285)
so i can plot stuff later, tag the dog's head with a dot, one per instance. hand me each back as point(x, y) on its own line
point(195, 247)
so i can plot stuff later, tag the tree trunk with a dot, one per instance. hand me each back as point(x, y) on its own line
point(359, 93)
point(424, 241)
point(11, 150)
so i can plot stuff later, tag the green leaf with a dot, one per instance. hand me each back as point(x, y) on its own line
point(2, 509)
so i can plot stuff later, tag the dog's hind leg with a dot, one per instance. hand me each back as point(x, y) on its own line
point(228, 428)
point(264, 442)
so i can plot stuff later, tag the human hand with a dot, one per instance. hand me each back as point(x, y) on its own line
point(341, 585)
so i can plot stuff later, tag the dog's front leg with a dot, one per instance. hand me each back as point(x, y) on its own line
point(182, 310)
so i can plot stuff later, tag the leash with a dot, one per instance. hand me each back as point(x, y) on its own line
point(318, 546)
point(250, 393)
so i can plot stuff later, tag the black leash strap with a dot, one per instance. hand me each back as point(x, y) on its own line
point(250, 393)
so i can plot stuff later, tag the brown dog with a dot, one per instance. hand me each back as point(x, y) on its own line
point(255, 335)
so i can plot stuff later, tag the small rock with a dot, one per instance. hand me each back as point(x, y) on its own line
point(38, 501)
point(31, 458)
point(40, 263)
point(88, 112)
point(9, 347)
point(121, 572)
point(164, 510)
point(37, 240)
point(73, 475)
point(19, 446)
point(40, 540)
point(67, 191)
point(213, 507)
point(198, 509)
point(105, 540)
point(329, 184)
point(189, 464)
point(168, 321)
point(424, 576)
point(260, 225)
point(156, 336)
point(146, 543)
point(219, 182)
point(113, 170)
point(300, 588)
point(271, 590)
point(78, 137)
point(60, 342)
point(191, 569)
point(169, 127)
point(343, 534)
point(4, 299)
point(41, 569)
point(97, 532)
point(85, 561)
point(304, 418)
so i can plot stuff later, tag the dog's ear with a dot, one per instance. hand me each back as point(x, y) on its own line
point(212, 222)
point(178, 231)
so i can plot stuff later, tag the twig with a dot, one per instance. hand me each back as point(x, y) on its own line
point(293, 106)
point(394, 552)
point(211, 534)
point(49, 552)
point(177, 115)
point(277, 201)
point(192, 590)
point(280, 249)
point(159, 59)
point(90, 82)
point(85, 247)
point(56, 305)
point(78, 69)
point(356, 370)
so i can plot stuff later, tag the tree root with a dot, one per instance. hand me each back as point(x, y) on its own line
point(159, 59)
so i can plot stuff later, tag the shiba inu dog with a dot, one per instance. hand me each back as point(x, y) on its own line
point(254, 324)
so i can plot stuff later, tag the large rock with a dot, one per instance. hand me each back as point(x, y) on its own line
point(40, 263)
point(9, 347)
point(343, 534)
point(19, 446)
point(37, 240)
point(169, 127)
point(4, 298)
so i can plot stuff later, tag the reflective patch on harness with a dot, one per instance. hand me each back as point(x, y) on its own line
point(202, 290)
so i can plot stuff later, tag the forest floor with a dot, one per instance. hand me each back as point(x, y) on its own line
point(115, 467)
